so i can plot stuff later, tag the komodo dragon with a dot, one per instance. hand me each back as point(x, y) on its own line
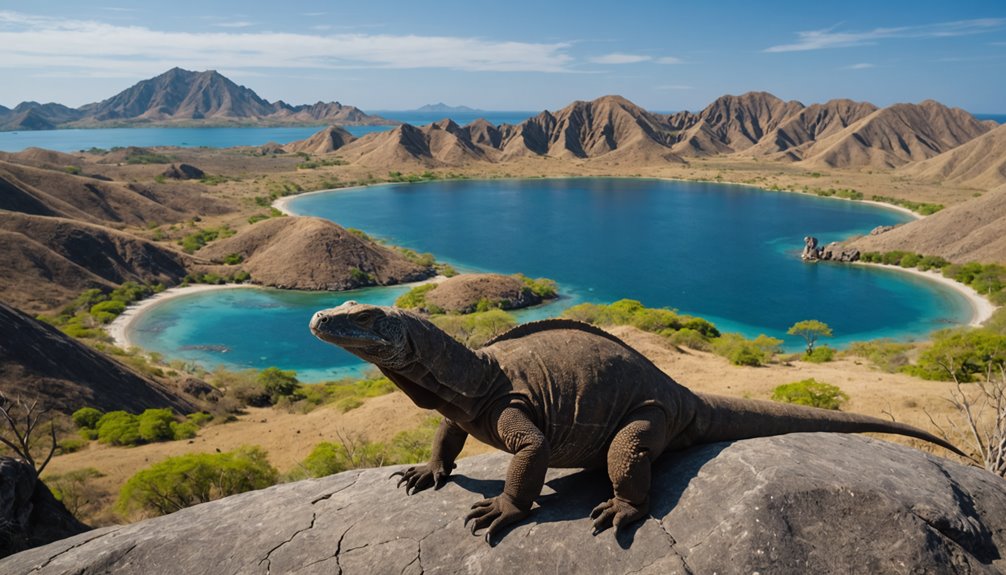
point(559, 393)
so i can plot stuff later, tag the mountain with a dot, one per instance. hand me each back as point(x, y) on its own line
point(182, 97)
point(734, 123)
point(328, 140)
point(313, 254)
point(791, 138)
point(980, 163)
point(442, 108)
point(970, 231)
point(39, 361)
point(895, 136)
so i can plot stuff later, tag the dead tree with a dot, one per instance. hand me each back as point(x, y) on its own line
point(23, 421)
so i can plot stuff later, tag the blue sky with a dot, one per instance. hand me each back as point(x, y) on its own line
point(515, 55)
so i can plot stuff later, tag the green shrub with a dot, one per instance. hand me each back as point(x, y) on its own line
point(183, 481)
point(415, 298)
point(107, 311)
point(86, 417)
point(821, 354)
point(742, 351)
point(964, 353)
point(541, 287)
point(72, 444)
point(687, 337)
point(155, 425)
point(278, 383)
point(810, 392)
point(119, 428)
point(348, 404)
point(887, 354)
point(233, 259)
point(183, 430)
point(631, 312)
point(475, 329)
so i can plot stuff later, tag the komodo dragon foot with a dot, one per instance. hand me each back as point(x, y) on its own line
point(496, 513)
point(422, 477)
point(618, 513)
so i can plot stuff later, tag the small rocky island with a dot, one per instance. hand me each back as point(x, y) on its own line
point(468, 293)
point(834, 251)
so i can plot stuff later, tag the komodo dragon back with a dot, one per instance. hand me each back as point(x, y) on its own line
point(539, 326)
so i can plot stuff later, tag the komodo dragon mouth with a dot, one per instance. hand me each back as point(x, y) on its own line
point(347, 330)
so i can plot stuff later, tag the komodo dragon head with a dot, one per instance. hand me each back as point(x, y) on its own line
point(433, 369)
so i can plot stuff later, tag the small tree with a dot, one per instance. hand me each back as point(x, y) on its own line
point(981, 417)
point(23, 420)
point(278, 382)
point(810, 330)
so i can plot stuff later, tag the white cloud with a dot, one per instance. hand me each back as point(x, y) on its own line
point(829, 38)
point(620, 58)
point(45, 44)
point(235, 24)
point(668, 60)
point(860, 66)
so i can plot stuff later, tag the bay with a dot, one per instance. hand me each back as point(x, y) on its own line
point(726, 253)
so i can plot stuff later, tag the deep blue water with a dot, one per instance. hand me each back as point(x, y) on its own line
point(727, 253)
point(1000, 118)
point(76, 140)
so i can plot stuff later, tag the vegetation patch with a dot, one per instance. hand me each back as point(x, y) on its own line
point(920, 208)
point(986, 279)
point(475, 329)
point(85, 316)
point(127, 429)
point(812, 393)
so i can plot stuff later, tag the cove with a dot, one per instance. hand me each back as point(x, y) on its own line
point(724, 252)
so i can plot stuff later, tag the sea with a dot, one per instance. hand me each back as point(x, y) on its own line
point(77, 140)
point(727, 253)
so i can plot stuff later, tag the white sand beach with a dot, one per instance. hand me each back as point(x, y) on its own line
point(981, 308)
point(119, 328)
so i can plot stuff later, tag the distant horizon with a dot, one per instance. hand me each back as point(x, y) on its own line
point(385, 55)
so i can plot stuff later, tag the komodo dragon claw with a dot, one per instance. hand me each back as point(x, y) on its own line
point(617, 513)
point(422, 477)
point(496, 513)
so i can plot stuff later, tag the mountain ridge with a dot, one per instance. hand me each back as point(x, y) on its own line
point(179, 97)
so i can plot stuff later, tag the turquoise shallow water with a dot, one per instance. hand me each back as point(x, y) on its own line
point(727, 253)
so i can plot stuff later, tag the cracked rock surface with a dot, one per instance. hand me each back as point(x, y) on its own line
point(801, 503)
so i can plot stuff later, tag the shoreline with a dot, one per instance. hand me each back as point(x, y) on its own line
point(119, 328)
point(981, 308)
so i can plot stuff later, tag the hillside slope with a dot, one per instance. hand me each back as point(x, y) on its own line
point(980, 163)
point(972, 231)
point(38, 361)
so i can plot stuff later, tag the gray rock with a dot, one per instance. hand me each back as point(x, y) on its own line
point(29, 515)
point(801, 503)
point(832, 252)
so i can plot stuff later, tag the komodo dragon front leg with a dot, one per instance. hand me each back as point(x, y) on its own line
point(525, 476)
point(447, 444)
point(631, 454)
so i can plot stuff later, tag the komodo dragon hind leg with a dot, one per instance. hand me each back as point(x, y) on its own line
point(630, 457)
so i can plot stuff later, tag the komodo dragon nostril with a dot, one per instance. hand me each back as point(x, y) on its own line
point(323, 319)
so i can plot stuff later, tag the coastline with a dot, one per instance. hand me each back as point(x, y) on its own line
point(119, 328)
point(981, 308)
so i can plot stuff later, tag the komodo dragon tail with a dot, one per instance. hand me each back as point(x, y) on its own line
point(729, 418)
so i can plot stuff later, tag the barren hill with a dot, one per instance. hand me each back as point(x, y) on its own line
point(52, 192)
point(980, 163)
point(734, 123)
point(800, 130)
point(896, 135)
point(971, 231)
point(50, 260)
point(462, 293)
point(328, 140)
point(38, 361)
point(314, 254)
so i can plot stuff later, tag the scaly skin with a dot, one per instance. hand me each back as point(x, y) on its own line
point(558, 393)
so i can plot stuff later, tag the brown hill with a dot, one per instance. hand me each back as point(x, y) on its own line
point(331, 112)
point(38, 361)
point(896, 135)
point(462, 293)
point(54, 192)
point(799, 131)
point(609, 128)
point(313, 254)
point(48, 261)
point(734, 123)
point(980, 163)
point(972, 231)
point(326, 141)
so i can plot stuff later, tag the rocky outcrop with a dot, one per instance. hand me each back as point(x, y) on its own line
point(29, 515)
point(801, 503)
point(832, 252)
point(183, 172)
point(325, 141)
